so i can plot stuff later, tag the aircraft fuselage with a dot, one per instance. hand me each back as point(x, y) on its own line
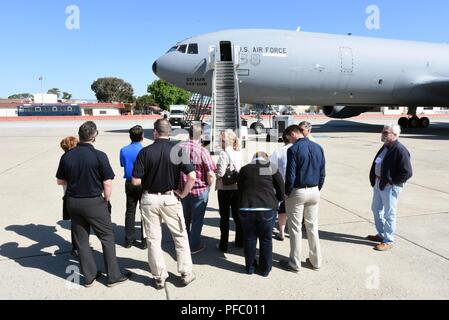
point(300, 68)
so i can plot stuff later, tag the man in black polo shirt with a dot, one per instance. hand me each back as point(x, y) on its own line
point(158, 168)
point(88, 176)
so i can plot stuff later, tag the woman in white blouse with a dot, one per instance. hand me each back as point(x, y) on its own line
point(228, 194)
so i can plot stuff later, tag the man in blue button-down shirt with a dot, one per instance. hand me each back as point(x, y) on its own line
point(128, 156)
point(303, 181)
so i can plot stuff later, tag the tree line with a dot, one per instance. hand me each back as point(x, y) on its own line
point(111, 89)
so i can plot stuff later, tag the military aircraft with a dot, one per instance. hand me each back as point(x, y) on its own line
point(345, 74)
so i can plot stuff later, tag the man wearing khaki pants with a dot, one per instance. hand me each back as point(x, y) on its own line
point(303, 181)
point(158, 168)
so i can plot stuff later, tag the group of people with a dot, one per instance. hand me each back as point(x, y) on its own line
point(172, 182)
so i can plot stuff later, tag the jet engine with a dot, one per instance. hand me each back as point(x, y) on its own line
point(344, 112)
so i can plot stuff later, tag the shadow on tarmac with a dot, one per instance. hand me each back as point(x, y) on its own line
point(436, 131)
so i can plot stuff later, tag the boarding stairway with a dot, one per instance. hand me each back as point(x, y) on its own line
point(226, 101)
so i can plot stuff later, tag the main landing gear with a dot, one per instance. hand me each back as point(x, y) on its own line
point(414, 122)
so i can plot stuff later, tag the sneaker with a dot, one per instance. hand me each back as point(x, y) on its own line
point(201, 248)
point(123, 278)
point(188, 278)
point(383, 246)
point(91, 283)
point(310, 265)
point(286, 266)
point(375, 238)
point(159, 284)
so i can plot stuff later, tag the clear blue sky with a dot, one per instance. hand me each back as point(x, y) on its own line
point(123, 38)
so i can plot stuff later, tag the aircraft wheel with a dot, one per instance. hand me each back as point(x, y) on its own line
point(414, 122)
point(258, 128)
point(424, 122)
point(403, 122)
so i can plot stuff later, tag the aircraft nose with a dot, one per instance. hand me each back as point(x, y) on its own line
point(155, 67)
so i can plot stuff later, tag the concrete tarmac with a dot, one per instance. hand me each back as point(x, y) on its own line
point(35, 259)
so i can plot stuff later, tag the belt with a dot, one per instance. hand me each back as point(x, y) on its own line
point(307, 186)
point(168, 193)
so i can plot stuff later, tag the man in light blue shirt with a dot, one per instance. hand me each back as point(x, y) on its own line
point(128, 156)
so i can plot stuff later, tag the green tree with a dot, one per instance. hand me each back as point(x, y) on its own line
point(55, 91)
point(66, 96)
point(166, 94)
point(145, 101)
point(21, 96)
point(112, 90)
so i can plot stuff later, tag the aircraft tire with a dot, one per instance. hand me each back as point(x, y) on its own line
point(258, 128)
point(424, 122)
point(414, 122)
point(403, 122)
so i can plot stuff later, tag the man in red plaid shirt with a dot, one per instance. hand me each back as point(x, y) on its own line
point(195, 204)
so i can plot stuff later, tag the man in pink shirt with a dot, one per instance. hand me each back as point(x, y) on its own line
point(195, 204)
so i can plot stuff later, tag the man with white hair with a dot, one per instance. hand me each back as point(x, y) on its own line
point(306, 130)
point(390, 170)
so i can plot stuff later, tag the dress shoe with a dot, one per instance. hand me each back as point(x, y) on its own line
point(159, 284)
point(286, 266)
point(279, 237)
point(188, 278)
point(310, 265)
point(122, 279)
point(383, 246)
point(375, 238)
point(254, 268)
point(128, 244)
point(91, 283)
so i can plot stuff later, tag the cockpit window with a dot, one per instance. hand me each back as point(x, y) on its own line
point(182, 48)
point(193, 48)
point(172, 49)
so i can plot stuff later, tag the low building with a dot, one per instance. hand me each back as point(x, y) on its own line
point(45, 98)
point(9, 108)
point(102, 109)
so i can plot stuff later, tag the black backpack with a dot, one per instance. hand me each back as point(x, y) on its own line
point(230, 177)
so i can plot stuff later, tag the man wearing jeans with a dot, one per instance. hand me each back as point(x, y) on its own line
point(304, 179)
point(391, 168)
point(195, 204)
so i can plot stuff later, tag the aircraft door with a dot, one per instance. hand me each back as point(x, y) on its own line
point(225, 51)
point(346, 60)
